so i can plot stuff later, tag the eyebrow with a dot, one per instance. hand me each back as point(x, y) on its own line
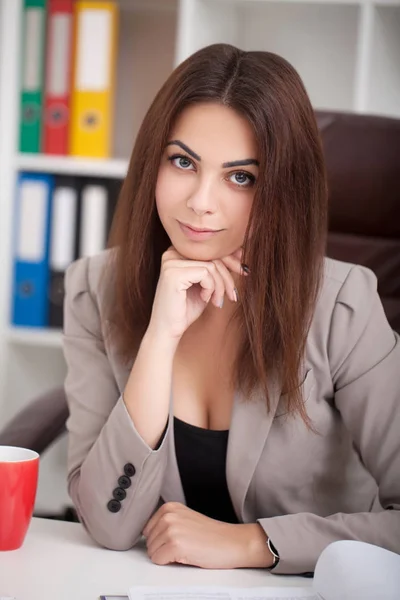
point(225, 165)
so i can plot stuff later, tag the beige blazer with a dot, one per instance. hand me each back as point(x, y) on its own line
point(306, 490)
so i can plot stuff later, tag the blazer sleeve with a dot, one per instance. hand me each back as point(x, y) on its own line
point(103, 442)
point(364, 355)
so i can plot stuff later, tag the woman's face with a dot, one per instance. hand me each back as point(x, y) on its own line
point(206, 181)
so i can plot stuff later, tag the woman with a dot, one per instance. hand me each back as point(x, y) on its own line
point(234, 396)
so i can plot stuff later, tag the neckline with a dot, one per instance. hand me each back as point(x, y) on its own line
point(201, 430)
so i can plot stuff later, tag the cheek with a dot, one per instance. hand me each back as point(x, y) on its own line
point(239, 214)
point(171, 190)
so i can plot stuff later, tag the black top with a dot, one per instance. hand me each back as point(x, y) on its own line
point(201, 457)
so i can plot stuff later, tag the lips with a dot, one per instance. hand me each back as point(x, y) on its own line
point(196, 234)
point(200, 230)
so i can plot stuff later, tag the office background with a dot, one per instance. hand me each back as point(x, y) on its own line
point(348, 54)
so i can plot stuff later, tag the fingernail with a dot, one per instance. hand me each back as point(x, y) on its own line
point(245, 268)
point(236, 294)
point(221, 303)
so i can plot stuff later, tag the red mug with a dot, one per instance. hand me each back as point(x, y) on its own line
point(19, 470)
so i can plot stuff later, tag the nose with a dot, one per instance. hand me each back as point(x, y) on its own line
point(203, 198)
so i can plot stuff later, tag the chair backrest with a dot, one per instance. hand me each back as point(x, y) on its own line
point(39, 423)
point(362, 154)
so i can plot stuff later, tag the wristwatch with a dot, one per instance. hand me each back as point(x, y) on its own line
point(274, 553)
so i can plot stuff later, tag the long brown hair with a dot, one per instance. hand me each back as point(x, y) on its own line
point(288, 221)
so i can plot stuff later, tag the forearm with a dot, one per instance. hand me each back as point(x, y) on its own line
point(148, 390)
point(94, 487)
point(300, 538)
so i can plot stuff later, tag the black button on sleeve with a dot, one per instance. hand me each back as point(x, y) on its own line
point(119, 494)
point(124, 482)
point(129, 470)
point(114, 506)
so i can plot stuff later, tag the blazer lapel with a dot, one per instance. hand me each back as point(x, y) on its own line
point(250, 425)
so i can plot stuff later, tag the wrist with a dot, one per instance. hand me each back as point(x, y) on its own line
point(256, 552)
point(159, 342)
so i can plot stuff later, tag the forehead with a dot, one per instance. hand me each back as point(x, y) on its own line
point(215, 132)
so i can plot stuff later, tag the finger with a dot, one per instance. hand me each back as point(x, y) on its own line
point(154, 539)
point(164, 524)
point(227, 279)
point(160, 535)
point(166, 509)
point(151, 523)
point(162, 556)
point(206, 274)
point(200, 275)
point(233, 263)
point(219, 287)
point(219, 292)
point(168, 553)
point(155, 547)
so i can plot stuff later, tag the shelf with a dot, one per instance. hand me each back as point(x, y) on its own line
point(148, 5)
point(68, 165)
point(248, 3)
point(383, 3)
point(26, 336)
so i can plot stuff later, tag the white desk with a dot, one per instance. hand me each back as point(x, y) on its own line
point(58, 561)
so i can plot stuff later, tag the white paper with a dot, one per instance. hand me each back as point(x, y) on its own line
point(220, 593)
point(348, 570)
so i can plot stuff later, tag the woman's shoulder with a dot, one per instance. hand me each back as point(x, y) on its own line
point(87, 272)
point(347, 283)
point(348, 293)
point(348, 316)
point(90, 278)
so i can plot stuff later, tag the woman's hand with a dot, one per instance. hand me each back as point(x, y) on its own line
point(185, 287)
point(177, 534)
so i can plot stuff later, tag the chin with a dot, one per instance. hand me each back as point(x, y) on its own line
point(198, 250)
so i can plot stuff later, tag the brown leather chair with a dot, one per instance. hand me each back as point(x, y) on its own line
point(363, 162)
point(39, 424)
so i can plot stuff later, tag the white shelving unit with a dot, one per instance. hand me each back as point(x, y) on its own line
point(347, 52)
point(25, 336)
point(115, 167)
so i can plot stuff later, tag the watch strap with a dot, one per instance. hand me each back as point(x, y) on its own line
point(274, 553)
